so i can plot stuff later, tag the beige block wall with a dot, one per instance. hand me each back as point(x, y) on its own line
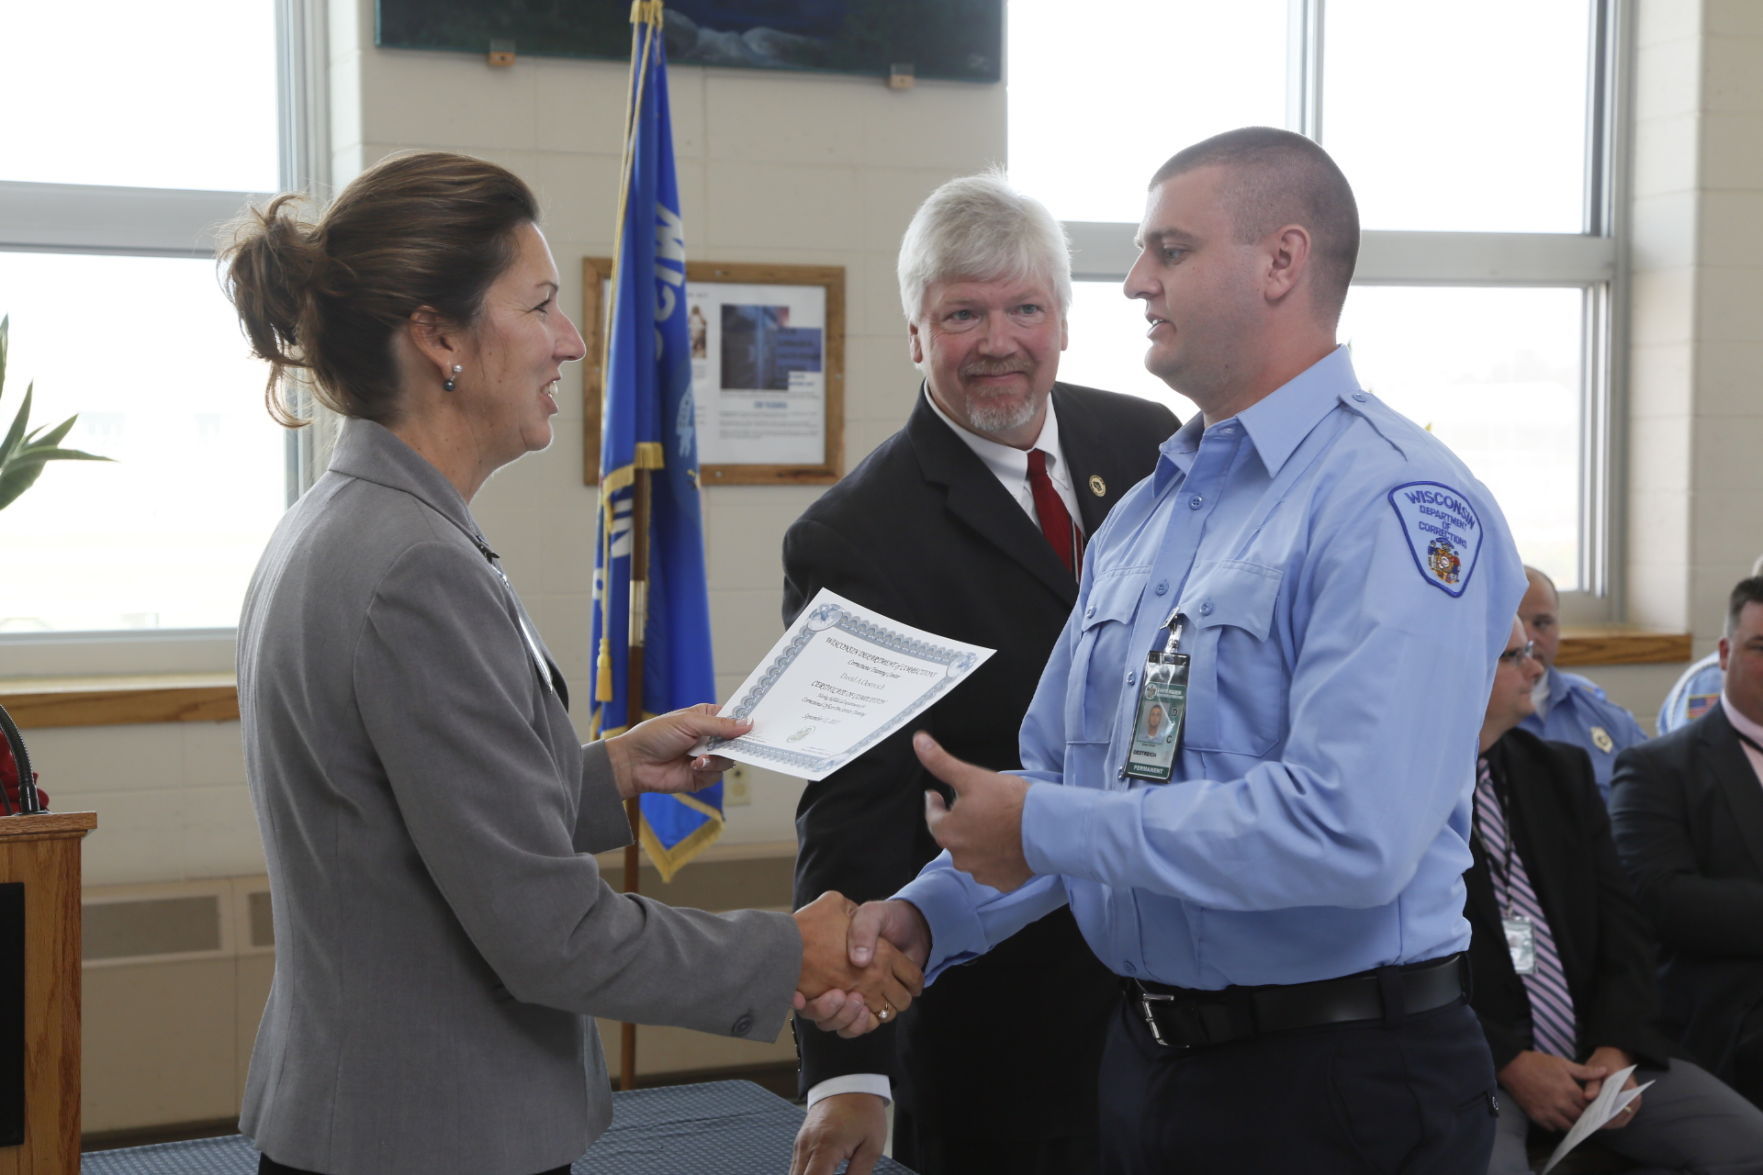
point(1696, 418)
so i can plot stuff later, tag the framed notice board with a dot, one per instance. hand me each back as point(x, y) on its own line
point(768, 370)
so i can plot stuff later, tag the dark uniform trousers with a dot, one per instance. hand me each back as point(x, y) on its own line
point(924, 1149)
point(1410, 1094)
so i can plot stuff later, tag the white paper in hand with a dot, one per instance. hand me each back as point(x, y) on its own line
point(1612, 1099)
point(839, 681)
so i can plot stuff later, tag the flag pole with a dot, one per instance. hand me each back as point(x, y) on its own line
point(633, 807)
point(650, 523)
point(645, 21)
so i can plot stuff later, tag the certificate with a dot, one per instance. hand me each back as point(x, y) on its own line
point(1612, 1099)
point(838, 682)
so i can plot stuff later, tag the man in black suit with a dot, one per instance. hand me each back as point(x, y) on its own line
point(1688, 814)
point(970, 523)
point(1562, 959)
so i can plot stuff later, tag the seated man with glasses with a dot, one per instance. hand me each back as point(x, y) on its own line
point(1561, 959)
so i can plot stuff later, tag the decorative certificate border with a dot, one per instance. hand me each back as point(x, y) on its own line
point(954, 661)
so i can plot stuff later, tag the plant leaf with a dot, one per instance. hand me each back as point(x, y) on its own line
point(42, 453)
point(5, 335)
point(54, 435)
point(19, 423)
point(16, 479)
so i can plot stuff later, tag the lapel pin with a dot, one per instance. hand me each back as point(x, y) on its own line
point(1098, 487)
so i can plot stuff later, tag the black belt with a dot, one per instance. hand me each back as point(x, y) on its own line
point(1183, 1017)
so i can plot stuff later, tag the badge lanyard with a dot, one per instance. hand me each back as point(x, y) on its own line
point(1519, 930)
point(533, 648)
point(1162, 707)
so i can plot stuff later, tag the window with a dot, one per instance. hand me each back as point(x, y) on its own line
point(1483, 301)
point(108, 212)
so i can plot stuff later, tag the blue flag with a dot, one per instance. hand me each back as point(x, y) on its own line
point(646, 423)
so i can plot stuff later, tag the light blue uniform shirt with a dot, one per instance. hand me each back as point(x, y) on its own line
point(1695, 693)
point(1578, 712)
point(1348, 586)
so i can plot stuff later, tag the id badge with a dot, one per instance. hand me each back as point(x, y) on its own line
point(1521, 942)
point(1156, 727)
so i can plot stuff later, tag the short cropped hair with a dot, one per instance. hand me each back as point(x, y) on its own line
point(979, 228)
point(1538, 573)
point(1279, 178)
point(1748, 591)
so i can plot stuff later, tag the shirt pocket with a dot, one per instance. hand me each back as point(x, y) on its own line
point(1237, 680)
point(1102, 659)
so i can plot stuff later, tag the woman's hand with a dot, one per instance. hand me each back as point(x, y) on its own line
point(653, 756)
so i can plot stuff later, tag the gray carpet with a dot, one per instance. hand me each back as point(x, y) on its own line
point(722, 1127)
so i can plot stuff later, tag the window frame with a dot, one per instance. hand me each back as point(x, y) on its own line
point(126, 221)
point(1594, 260)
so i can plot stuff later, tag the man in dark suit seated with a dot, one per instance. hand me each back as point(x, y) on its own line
point(1562, 959)
point(968, 522)
point(1688, 814)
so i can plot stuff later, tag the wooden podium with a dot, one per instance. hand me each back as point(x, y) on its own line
point(40, 992)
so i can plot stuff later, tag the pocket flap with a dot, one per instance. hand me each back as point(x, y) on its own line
point(1235, 593)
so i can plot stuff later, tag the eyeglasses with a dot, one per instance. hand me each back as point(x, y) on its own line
point(1526, 650)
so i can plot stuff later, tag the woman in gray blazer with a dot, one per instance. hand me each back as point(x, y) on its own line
point(443, 938)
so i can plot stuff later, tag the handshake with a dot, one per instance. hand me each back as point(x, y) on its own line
point(861, 965)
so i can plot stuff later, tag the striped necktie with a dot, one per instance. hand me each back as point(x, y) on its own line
point(1062, 533)
point(1551, 1006)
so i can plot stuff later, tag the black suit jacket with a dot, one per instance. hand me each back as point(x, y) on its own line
point(1688, 814)
point(1557, 824)
point(923, 532)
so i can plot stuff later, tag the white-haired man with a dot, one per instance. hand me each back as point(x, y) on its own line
point(969, 522)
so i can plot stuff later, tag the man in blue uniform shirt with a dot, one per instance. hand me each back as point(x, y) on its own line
point(1286, 911)
point(1570, 708)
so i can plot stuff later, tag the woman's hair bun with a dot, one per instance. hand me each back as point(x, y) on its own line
point(418, 232)
point(270, 268)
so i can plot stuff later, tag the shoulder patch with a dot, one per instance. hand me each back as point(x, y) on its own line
point(1443, 531)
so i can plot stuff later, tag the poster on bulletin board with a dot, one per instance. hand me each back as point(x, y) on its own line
point(954, 40)
point(768, 370)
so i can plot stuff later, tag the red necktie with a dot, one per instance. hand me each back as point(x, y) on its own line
point(1066, 539)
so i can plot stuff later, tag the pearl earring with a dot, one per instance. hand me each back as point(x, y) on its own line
point(452, 381)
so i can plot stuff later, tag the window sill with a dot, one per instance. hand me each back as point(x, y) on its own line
point(41, 702)
point(37, 703)
point(1618, 645)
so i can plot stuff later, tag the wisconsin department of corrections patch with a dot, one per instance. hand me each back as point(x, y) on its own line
point(1443, 532)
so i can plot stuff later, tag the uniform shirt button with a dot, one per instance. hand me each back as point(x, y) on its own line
point(1090, 612)
point(1129, 968)
point(1195, 502)
point(744, 1025)
point(1205, 607)
point(1162, 587)
point(1130, 677)
point(1361, 397)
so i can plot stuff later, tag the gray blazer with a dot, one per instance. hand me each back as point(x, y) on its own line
point(442, 935)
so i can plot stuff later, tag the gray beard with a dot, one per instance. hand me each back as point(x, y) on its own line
point(1000, 417)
